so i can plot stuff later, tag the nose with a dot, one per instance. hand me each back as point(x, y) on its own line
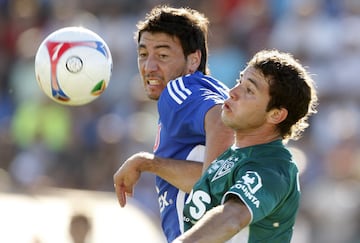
point(234, 92)
point(150, 64)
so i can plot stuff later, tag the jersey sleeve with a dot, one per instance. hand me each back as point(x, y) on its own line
point(256, 188)
point(197, 107)
point(184, 106)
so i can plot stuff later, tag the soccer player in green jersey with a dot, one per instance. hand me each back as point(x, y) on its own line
point(255, 182)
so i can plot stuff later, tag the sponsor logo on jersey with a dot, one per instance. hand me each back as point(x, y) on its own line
point(252, 180)
point(250, 183)
point(164, 201)
point(199, 199)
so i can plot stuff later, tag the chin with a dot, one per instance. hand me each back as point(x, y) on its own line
point(228, 121)
point(153, 97)
point(224, 117)
point(152, 94)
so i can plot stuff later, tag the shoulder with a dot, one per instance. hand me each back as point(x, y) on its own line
point(178, 91)
point(206, 81)
point(271, 161)
point(194, 89)
point(274, 150)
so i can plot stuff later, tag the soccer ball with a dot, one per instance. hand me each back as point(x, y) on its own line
point(73, 66)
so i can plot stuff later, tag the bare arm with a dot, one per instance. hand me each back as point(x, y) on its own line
point(218, 136)
point(218, 224)
point(181, 173)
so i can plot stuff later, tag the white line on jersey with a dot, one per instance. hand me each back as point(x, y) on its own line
point(178, 91)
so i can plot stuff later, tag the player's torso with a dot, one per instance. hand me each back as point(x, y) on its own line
point(181, 135)
point(227, 174)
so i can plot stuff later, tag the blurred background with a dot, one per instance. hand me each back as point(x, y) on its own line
point(57, 162)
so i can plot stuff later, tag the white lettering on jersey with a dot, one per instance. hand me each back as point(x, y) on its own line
point(199, 199)
point(248, 194)
point(251, 182)
point(163, 202)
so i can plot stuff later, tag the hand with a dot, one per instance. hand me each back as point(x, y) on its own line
point(128, 175)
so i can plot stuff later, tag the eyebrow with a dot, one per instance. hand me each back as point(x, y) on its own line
point(156, 47)
point(255, 83)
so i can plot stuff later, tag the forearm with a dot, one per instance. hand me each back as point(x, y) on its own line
point(218, 224)
point(180, 173)
point(212, 228)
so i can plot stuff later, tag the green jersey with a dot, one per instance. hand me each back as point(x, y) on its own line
point(264, 177)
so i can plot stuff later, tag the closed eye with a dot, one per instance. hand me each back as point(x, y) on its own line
point(249, 90)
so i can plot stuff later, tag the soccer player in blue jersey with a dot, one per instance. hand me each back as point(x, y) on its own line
point(172, 61)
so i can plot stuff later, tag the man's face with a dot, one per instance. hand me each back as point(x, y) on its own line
point(160, 59)
point(245, 110)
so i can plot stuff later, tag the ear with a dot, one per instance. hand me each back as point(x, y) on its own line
point(194, 60)
point(277, 115)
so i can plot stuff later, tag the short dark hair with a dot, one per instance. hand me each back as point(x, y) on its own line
point(188, 25)
point(290, 87)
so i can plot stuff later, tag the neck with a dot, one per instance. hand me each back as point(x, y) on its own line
point(246, 140)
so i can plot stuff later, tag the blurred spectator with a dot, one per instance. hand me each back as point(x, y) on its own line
point(80, 228)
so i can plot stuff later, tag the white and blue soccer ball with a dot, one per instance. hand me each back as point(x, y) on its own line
point(73, 66)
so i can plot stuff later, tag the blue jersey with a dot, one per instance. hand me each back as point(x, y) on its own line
point(182, 107)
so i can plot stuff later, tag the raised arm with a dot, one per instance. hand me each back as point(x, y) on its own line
point(181, 173)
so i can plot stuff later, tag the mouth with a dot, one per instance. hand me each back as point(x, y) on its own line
point(153, 82)
point(226, 106)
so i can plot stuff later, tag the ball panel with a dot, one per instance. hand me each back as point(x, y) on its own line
point(73, 66)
